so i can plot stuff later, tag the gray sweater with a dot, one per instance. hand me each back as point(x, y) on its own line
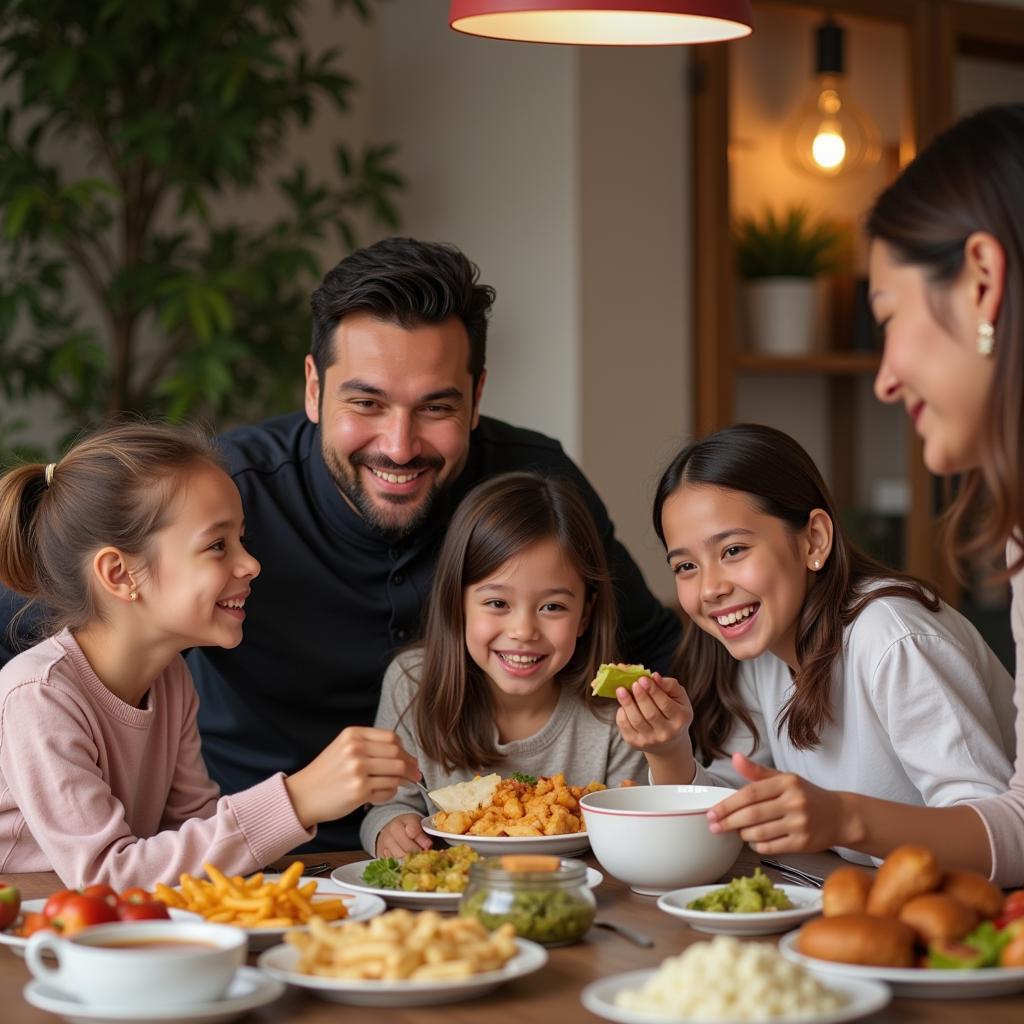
point(582, 745)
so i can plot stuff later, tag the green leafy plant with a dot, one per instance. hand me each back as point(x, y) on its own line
point(163, 110)
point(789, 245)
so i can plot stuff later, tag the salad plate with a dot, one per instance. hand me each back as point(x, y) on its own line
point(281, 962)
point(862, 997)
point(916, 982)
point(492, 846)
point(350, 876)
point(806, 904)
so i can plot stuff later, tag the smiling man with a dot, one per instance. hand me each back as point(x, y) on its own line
point(346, 505)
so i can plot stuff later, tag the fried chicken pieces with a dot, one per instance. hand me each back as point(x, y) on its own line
point(547, 807)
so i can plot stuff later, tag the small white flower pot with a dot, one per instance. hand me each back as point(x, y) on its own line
point(782, 315)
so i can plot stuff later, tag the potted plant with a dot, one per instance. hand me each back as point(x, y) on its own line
point(779, 259)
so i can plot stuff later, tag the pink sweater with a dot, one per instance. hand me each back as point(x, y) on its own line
point(100, 791)
point(1003, 815)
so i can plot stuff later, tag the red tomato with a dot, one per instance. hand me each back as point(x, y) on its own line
point(31, 923)
point(143, 910)
point(136, 894)
point(56, 901)
point(78, 912)
point(1013, 905)
point(101, 892)
point(10, 904)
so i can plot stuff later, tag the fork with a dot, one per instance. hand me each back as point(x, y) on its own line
point(794, 874)
point(426, 796)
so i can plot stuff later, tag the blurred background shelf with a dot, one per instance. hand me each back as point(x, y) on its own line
point(833, 363)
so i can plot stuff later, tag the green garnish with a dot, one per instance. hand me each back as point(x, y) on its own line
point(530, 780)
point(383, 873)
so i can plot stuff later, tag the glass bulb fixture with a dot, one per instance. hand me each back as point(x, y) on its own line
point(829, 136)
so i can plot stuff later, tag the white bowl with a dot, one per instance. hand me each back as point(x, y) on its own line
point(656, 838)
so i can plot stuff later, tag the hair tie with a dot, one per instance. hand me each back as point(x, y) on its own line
point(48, 473)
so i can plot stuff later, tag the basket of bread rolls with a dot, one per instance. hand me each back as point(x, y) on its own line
point(913, 914)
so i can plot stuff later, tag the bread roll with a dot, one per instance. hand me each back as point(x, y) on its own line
point(936, 917)
point(845, 892)
point(858, 939)
point(975, 891)
point(907, 872)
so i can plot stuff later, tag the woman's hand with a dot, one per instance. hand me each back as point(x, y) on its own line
point(654, 714)
point(779, 812)
point(359, 766)
point(400, 836)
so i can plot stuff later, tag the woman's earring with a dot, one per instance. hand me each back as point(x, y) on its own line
point(817, 564)
point(986, 337)
point(133, 595)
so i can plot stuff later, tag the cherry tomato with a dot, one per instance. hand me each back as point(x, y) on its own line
point(56, 901)
point(143, 910)
point(31, 923)
point(101, 892)
point(136, 894)
point(78, 912)
point(1013, 905)
point(10, 904)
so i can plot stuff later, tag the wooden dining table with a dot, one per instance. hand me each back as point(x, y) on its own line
point(550, 995)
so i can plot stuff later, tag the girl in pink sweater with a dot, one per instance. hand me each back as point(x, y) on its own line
point(133, 544)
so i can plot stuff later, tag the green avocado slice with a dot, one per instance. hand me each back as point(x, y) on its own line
point(610, 677)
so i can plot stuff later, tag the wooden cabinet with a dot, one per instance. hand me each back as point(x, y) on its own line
point(933, 34)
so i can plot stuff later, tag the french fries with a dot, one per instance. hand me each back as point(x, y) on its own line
point(400, 945)
point(252, 902)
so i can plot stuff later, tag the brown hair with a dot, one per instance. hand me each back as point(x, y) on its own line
point(783, 482)
point(971, 178)
point(453, 709)
point(113, 487)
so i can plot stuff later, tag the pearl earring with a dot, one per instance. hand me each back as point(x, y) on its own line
point(817, 564)
point(986, 337)
point(133, 595)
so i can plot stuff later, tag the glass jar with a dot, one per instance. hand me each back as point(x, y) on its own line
point(546, 899)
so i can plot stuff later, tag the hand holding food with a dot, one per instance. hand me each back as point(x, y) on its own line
point(611, 676)
point(359, 766)
point(654, 713)
point(779, 812)
point(846, 892)
point(402, 835)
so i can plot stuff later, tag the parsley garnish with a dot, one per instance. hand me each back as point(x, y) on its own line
point(530, 780)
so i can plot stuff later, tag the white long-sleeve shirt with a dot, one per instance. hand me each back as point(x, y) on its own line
point(923, 713)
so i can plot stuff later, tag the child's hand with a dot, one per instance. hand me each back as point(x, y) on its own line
point(358, 766)
point(654, 714)
point(779, 812)
point(402, 835)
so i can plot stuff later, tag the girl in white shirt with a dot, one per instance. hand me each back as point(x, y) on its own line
point(821, 682)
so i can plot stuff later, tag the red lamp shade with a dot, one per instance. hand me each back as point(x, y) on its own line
point(604, 22)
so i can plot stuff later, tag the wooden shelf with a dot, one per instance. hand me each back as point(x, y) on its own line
point(840, 364)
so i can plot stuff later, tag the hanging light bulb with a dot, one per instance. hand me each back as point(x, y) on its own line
point(829, 136)
point(604, 22)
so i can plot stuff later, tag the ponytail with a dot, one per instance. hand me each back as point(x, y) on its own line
point(21, 493)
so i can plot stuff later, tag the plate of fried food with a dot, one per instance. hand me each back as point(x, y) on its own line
point(924, 932)
point(520, 814)
point(267, 905)
point(402, 959)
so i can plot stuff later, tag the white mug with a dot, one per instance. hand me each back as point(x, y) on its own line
point(140, 964)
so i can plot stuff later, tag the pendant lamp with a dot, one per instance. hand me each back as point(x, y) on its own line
point(604, 22)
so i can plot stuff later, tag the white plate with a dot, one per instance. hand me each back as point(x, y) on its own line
point(249, 989)
point(806, 903)
point(917, 982)
point(862, 998)
point(17, 944)
point(350, 876)
point(572, 842)
point(360, 907)
point(280, 962)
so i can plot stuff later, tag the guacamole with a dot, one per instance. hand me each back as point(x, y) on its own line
point(552, 917)
point(745, 895)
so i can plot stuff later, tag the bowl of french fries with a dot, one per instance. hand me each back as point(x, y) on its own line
point(267, 905)
point(401, 958)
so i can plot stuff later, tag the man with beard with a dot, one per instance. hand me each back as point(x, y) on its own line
point(346, 506)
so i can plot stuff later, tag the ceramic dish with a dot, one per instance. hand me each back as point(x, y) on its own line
point(917, 982)
point(280, 963)
point(350, 876)
point(806, 904)
point(250, 989)
point(491, 846)
point(16, 944)
point(862, 998)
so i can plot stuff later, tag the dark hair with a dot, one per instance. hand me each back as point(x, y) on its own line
point(407, 282)
point(113, 487)
point(971, 178)
point(453, 708)
point(783, 482)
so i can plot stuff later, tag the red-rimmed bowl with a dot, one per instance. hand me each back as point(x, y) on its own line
point(656, 838)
